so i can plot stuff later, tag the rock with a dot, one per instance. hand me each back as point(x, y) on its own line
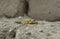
point(44, 9)
point(9, 29)
point(12, 8)
point(43, 30)
point(2, 35)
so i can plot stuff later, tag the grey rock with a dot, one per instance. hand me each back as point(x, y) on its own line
point(9, 29)
point(12, 8)
point(44, 9)
point(43, 30)
point(2, 35)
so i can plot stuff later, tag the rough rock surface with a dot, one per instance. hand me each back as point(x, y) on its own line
point(44, 9)
point(43, 30)
point(10, 29)
point(12, 8)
